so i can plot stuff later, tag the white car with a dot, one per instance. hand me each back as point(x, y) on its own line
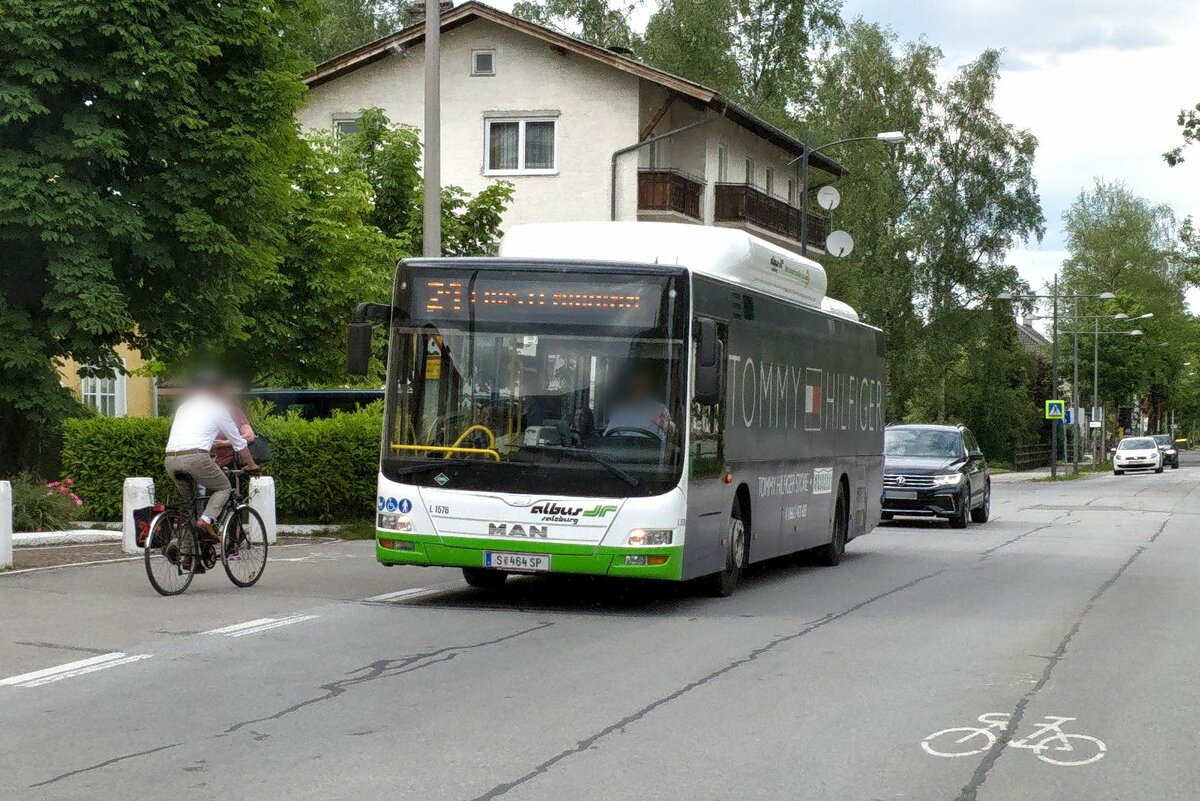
point(1137, 453)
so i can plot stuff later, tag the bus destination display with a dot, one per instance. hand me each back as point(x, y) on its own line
point(508, 299)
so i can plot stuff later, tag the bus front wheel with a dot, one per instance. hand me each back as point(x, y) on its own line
point(484, 579)
point(722, 584)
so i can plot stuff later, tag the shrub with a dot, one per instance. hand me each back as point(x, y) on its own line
point(101, 452)
point(325, 470)
point(38, 506)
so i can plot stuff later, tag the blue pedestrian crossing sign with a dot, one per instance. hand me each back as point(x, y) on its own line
point(1056, 409)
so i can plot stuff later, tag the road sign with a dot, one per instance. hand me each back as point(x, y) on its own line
point(1068, 416)
point(1094, 424)
point(1056, 409)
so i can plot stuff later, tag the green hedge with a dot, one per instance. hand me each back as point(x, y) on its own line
point(325, 470)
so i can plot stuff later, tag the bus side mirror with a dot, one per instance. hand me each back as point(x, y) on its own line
point(709, 355)
point(358, 348)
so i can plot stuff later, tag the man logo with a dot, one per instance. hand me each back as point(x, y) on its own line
point(517, 530)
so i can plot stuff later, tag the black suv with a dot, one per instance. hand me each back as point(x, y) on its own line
point(935, 471)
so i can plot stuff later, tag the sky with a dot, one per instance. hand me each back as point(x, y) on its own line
point(1098, 82)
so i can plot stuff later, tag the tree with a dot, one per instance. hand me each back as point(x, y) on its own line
point(143, 182)
point(336, 26)
point(596, 21)
point(1189, 121)
point(756, 51)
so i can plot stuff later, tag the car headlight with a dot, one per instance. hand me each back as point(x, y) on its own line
point(948, 480)
point(651, 536)
point(392, 521)
point(1170, 451)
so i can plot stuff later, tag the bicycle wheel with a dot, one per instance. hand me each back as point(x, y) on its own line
point(1086, 749)
point(170, 555)
point(244, 546)
point(958, 742)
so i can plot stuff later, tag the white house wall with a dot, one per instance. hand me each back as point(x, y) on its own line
point(596, 108)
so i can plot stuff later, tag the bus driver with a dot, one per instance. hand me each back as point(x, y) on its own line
point(639, 410)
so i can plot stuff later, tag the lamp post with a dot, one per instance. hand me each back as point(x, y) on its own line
point(1055, 297)
point(888, 137)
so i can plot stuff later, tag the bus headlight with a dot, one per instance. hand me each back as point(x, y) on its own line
point(948, 480)
point(651, 536)
point(392, 521)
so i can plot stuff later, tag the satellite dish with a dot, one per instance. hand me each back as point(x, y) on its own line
point(839, 243)
point(828, 198)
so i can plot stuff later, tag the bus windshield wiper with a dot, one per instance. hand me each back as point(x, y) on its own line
point(629, 479)
point(418, 468)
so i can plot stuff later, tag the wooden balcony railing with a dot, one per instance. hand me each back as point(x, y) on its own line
point(747, 204)
point(669, 190)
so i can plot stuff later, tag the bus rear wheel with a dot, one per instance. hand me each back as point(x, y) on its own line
point(483, 578)
point(722, 584)
point(830, 554)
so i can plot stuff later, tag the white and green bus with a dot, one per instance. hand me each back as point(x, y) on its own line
point(643, 400)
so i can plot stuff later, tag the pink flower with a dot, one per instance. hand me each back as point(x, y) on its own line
point(64, 490)
point(52, 484)
point(68, 482)
point(78, 500)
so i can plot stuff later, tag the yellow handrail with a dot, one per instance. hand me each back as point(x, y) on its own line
point(449, 449)
point(477, 427)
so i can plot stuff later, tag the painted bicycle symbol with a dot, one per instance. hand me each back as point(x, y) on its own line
point(1049, 742)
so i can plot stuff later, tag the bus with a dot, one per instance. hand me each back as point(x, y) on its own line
point(637, 400)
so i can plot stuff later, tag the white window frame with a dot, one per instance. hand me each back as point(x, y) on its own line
point(722, 164)
point(338, 119)
point(791, 197)
point(475, 72)
point(521, 121)
point(90, 392)
point(750, 170)
point(769, 181)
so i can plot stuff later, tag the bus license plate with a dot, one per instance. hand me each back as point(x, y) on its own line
point(901, 495)
point(533, 562)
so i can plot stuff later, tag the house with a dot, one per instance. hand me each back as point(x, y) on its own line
point(571, 124)
point(115, 396)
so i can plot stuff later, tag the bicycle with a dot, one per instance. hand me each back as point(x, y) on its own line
point(970, 740)
point(174, 550)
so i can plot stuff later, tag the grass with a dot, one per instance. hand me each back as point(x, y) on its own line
point(1085, 471)
point(355, 530)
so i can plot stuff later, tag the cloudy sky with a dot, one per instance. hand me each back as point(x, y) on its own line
point(1098, 82)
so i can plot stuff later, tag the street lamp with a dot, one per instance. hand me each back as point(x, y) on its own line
point(887, 137)
point(1007, 295)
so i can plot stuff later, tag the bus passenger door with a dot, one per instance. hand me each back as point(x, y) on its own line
point(709, 499)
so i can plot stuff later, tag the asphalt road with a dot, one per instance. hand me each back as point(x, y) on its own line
point(1078, 601)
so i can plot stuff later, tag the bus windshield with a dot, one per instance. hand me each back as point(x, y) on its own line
point(532, 401)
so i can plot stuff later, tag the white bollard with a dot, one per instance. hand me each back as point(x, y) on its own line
point(262, 500)
point(138, 493)
point(5, 525)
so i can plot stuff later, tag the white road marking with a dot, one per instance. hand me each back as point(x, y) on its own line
point(72, 669)
point(238, 626)
point(1064, 750)
point(414, 592)
point(274, 624)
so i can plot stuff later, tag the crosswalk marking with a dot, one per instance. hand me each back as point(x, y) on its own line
point(413, 592)
point(272, 624)
point(72, 669)
point(239, 626)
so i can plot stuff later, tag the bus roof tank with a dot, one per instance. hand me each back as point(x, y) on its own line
point(723, 253)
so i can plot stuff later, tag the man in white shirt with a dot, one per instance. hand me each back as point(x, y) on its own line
point(199, 421)
point(639, 412)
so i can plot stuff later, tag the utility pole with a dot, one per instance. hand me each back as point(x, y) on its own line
point(431, 229)
point(1054, 382)
point(1075, 399)
point(1099, 443)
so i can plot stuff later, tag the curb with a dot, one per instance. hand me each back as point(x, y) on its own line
point(27, 539)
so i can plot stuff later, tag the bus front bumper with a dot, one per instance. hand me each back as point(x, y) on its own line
point(429, 550)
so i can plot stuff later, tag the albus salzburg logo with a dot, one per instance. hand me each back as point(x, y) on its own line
point(553, 513)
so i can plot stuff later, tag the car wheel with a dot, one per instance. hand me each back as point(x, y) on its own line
point(1158, 469)
point(981, 514)
point(1175, 465)
point(722, 584)
point(963, 515)
point(1117, 472)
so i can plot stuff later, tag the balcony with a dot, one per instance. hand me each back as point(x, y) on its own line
point(750, 206)
point(669, 192)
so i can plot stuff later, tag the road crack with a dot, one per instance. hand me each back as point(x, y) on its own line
point(970, 791)
point(382, 669)
point(104, 764)
point(620, 726)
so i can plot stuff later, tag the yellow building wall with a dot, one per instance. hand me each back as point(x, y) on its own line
point(139, 390)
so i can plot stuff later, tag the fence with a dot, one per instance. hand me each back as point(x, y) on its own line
point(1028, 457)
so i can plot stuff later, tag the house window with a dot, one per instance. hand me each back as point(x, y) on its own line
point(521, 145)
point(792, 191)
point(483, 62)
point(653, 156)
point(770, 182)
point(722, 164)
point(105, 394)
point(750, 172)
point(345, 125)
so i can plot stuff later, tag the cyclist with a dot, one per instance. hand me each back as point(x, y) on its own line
point(198, 422)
